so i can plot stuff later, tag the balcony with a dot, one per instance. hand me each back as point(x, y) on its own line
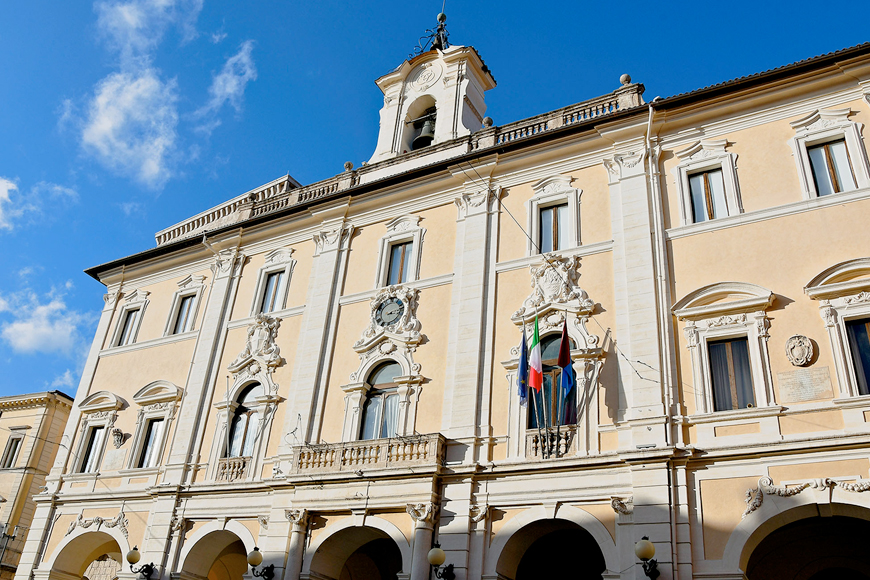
point(376, 454)
point(550, 443)
point(233, 468)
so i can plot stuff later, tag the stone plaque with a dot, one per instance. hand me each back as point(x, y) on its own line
point(114, 459)
point(802, 385)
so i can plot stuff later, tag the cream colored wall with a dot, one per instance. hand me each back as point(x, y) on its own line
point(747, 254)
point(303, 253)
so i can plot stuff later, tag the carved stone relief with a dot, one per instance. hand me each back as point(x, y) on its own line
point(118, 521)
point(799, 350)
point(261, 355)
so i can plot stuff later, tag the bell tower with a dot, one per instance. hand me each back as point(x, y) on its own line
point(434, 97)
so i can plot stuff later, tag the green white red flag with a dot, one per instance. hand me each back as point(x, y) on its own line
point(536, 371)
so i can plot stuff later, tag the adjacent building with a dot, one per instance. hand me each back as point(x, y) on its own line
point(329, 371)
point(30, 428)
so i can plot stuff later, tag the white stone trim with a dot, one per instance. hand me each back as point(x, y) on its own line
point(277, 260)
point(98, 410)
point(737, 318)
point(840, 302)
point(706, 155)
point(138, 299)
point(551, 191)
point(157, 400)
point(189, 286)
point(405, 228)
point(13, 460)
point(825, 125)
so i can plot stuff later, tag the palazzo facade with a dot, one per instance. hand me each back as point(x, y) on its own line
point(328, 371)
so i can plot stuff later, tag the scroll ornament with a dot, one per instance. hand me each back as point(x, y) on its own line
point(755, 497)
point(118, 521)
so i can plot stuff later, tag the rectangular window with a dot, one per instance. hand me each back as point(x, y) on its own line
point(708, 195)
point(554, 228)
point(128, 331)
point(11, 453)
point(380, 415)
point(91, 459)
point(153, 435)
point(184, 318)
point(272, 287)
point(731, 375)
point(832, 172)
point(400, 263)
point(859, 344)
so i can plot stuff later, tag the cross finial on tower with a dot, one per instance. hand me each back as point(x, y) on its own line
point(434, 38)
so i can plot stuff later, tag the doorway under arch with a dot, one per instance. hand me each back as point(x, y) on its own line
point(219, 555)
point(93, 552)
point(815, 548)
point(358, 553)
point(552, 548)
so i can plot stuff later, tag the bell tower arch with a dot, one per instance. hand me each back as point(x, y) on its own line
point(434, 97)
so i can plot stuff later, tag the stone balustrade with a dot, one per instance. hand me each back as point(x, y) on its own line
point(233, 468)
point(554, 443)
point(285, 192)
point(397, 453)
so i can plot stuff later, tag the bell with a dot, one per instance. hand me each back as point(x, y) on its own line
point(424, 139)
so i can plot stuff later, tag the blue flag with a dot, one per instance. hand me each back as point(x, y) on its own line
point(523, 372)
point(567, 381)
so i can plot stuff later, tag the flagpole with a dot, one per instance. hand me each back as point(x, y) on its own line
point(538, 423)
point(558, 414)
point(228, 417)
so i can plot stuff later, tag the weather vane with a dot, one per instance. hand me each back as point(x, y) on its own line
point(434, 38)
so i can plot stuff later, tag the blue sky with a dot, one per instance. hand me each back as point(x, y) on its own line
point(121, 117)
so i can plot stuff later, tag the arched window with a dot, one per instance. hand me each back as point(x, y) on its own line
point(380, 415)
point(552, 407)
point(246, 423)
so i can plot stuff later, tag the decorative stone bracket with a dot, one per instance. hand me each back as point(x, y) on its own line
point(623, 506)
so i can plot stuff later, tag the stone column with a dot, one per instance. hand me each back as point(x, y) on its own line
point(637, 329)
point(193, 413)
point(317, 329)
point(423, 515)
point(296, 551)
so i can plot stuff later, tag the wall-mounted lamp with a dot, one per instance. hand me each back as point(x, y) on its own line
point(436, 558)
point(145, 570)
point(645, 550)
point(255, 558)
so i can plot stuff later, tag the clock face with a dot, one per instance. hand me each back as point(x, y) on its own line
point(389, 311)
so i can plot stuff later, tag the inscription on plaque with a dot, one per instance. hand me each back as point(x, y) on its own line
point(802, 385)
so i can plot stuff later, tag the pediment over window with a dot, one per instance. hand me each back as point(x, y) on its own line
point(723, 298)
point(157, 392)
point(102, 401)
point(845, 278)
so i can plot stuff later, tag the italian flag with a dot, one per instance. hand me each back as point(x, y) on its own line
point(536, 372)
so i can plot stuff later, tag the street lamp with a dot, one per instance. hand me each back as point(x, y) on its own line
point(436, 557)
point(145, 570)
point(255, 558)
point(645, 550)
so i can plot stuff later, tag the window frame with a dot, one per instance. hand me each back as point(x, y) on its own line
point(157, 400)
point(98, 410)
point(277, 261)
point(13, 459)
point(824, 126)
point(191, 286)
point(550, 192)
point(701, 157)
point(744, 317)
point(136, 300)
point(400, 230)
point(841, 302)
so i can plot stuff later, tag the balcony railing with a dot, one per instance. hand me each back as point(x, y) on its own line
point(550, 443)
point(401, 452)
point(233, 468)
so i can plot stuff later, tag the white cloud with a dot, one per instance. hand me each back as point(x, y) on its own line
point(228, 86)
point(131, 125)
point(64, 380)
point(131, 207)
point(14, 207)
point(218, 37)
point(46, 327)
point(134, 28)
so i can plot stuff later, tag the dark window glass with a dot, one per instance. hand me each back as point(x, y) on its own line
point(90, 461)
point(128, 330)
point(554, 228)
point(731, 375)
point(183, 319)
point(380, 414)
point(859, 344)
point(245, 425)
point(270, 292)
point(153, 435)
point(11, 452)
point(550, 407)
